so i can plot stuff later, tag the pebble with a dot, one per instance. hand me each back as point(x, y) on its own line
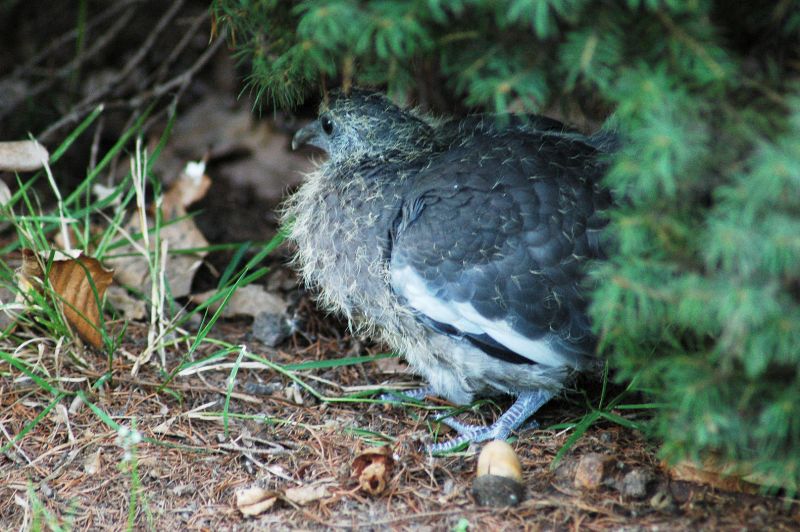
point(634, 484)
point(271, 328)
point(591, 470)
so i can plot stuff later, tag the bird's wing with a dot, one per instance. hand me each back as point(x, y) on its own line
point(492, 241)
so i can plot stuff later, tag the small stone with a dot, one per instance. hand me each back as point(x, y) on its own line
point(634, 484)
point(497, 491)
point(271, 328)
point(591, 471)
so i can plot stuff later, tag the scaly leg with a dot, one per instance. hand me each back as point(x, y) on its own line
point(525, 406)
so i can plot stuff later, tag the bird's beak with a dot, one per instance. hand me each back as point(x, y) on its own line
point(307, 135)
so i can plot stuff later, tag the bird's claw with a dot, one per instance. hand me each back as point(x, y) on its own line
point(468, 433)
point(525, 406)
point(417, 394)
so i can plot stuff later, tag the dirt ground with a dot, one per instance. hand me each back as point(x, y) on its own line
point(76, 472)
point(189, 471)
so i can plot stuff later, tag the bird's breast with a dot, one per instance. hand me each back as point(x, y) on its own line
point(342, 238)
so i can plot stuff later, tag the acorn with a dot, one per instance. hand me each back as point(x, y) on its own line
point(499, 478)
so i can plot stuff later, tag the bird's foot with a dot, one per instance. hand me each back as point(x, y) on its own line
point(524, 407)
point(417, 394)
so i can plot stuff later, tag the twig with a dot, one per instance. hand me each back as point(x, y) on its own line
point(68, 37)
point(178, 49)
point(99, 44)
point(140, 54)
point(180, 82)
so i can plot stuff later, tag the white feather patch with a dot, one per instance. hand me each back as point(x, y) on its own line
point(464, 317)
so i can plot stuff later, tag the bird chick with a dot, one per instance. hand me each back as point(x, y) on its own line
point(461, 244)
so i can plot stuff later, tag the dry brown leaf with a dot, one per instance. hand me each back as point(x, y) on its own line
point(191, 186)
point(165, 427)
point(72, 280)
point(246, 152)
point(254, 500)
point(132, 269)
point(22, 156)
point(712, 474)
point(132, 308)
point(250, 300)
point(373, 469)
point(302, 495)
point(93, 462)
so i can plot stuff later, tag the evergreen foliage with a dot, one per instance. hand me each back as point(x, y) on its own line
point(701, 296)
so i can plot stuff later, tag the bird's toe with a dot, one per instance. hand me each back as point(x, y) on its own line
point(417, 394)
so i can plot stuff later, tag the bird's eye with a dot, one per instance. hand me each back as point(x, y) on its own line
point(327, 124)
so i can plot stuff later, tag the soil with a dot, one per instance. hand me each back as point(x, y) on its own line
point(73, 470)
point(189, 468)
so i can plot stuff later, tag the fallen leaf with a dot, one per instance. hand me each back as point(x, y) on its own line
point(711, 473)
point(75, 281)
point(302, 495)
point(373, 469)
point(191, 186)
point(246, 152)
point(254, 500)
point(132, 308)
point(130, 266)
point(93, 462)
point(22, 156)
point(250, 300)
point(165, 426)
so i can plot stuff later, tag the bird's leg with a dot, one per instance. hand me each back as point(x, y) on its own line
point(525, 406)
point(417, 394)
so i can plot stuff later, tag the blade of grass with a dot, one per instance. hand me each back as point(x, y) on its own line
point(23, 367)
point(237, 258)
point(229, 389)
point(580, 429)
point(619, 420)
point(65, 145)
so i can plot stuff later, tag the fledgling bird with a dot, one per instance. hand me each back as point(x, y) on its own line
point(462, 244)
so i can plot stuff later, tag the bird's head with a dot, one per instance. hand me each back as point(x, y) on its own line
point(364, 124)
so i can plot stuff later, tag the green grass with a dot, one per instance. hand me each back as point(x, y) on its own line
point(76, 216)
